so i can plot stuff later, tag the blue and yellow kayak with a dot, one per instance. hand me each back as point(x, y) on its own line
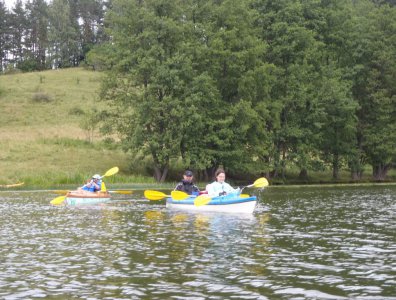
point(232, 203)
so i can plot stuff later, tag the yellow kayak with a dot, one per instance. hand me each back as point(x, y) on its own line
point(11, 185)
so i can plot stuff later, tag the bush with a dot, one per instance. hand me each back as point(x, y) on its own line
point(76, 111)
point(41, 97)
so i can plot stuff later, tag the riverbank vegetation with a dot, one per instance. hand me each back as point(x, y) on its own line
point(297, 91)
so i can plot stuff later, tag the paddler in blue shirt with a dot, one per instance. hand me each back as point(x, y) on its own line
point(220, 187)
point(94, 185)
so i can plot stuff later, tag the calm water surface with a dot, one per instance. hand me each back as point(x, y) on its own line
point(301, 243)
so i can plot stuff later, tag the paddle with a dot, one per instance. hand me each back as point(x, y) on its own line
point(156, 195)
point(59, 200)
point(123, 192)
point(259, 183)
point(205, 199)
point(202, 200)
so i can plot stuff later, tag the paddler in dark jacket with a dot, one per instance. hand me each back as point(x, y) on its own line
point(187, 185)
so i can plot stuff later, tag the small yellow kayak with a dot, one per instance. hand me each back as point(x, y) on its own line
point(11, 185)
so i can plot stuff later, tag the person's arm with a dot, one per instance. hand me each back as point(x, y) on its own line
point(214, 189)
point(229, 189)
point(179, 187)
point(97, 186)
point(195, 188)
point(211, 190)
point(88, 184)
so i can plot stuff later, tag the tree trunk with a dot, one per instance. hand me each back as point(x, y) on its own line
point(160, 173)
point(356, 175)
point(335, 166)
point(380, 171)
point(303, 174)
point(356, 170)
point(210, 173)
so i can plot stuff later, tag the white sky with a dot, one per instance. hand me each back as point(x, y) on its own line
point(9, 3)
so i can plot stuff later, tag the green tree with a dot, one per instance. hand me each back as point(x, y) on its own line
point(4, 36)
point(293, 49)
point(373, 84)
point(63, 35)
point(19, 29)
point(91, 13)
point(36, 39)
point(147, 37)
point(338, 122)
point(227, 52)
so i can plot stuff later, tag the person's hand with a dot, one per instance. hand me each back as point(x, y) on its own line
point(222, 193)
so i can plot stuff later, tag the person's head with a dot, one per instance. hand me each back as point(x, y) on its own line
point(96, 177)
point(188, 175)
point(220, 175)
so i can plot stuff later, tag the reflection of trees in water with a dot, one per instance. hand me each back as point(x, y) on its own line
point(175, 241)
point(202, 224)
point(260, 250)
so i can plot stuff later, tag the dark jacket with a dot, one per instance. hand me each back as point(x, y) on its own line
point(187, 187)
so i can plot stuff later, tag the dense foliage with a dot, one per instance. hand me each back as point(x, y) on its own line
point(37, 35)
point(256, 86)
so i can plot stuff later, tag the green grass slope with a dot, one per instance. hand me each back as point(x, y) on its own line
point(41, 138)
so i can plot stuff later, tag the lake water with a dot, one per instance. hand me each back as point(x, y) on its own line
point(300, 243)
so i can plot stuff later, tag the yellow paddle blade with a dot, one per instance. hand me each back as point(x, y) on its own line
point(261, 182)
point(202, 200)
point(154, 195)
point(179, 195)
point(103, 187)
point(244, 195)
point(58, 200)
point(111, 172)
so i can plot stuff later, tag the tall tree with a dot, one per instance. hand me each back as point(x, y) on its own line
point(227, 52)
point(37, 35)
point(91, 13)
point(4, 34)
point(19, 30)
point(147, 37)
point(374, 74)
point(294, 51)
point(63, 35)
point(338, 122)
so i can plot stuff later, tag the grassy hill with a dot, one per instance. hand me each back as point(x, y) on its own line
point(42, 140)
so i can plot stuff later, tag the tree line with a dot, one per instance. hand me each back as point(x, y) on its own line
point(255, 86)
point(36, 35)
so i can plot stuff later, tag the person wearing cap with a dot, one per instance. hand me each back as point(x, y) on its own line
point(94, 185)
point(219, 187)
point(187, 185)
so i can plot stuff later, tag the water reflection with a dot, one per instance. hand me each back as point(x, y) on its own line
point(326, 243)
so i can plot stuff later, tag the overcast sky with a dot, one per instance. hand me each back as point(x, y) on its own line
point(9, 3)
